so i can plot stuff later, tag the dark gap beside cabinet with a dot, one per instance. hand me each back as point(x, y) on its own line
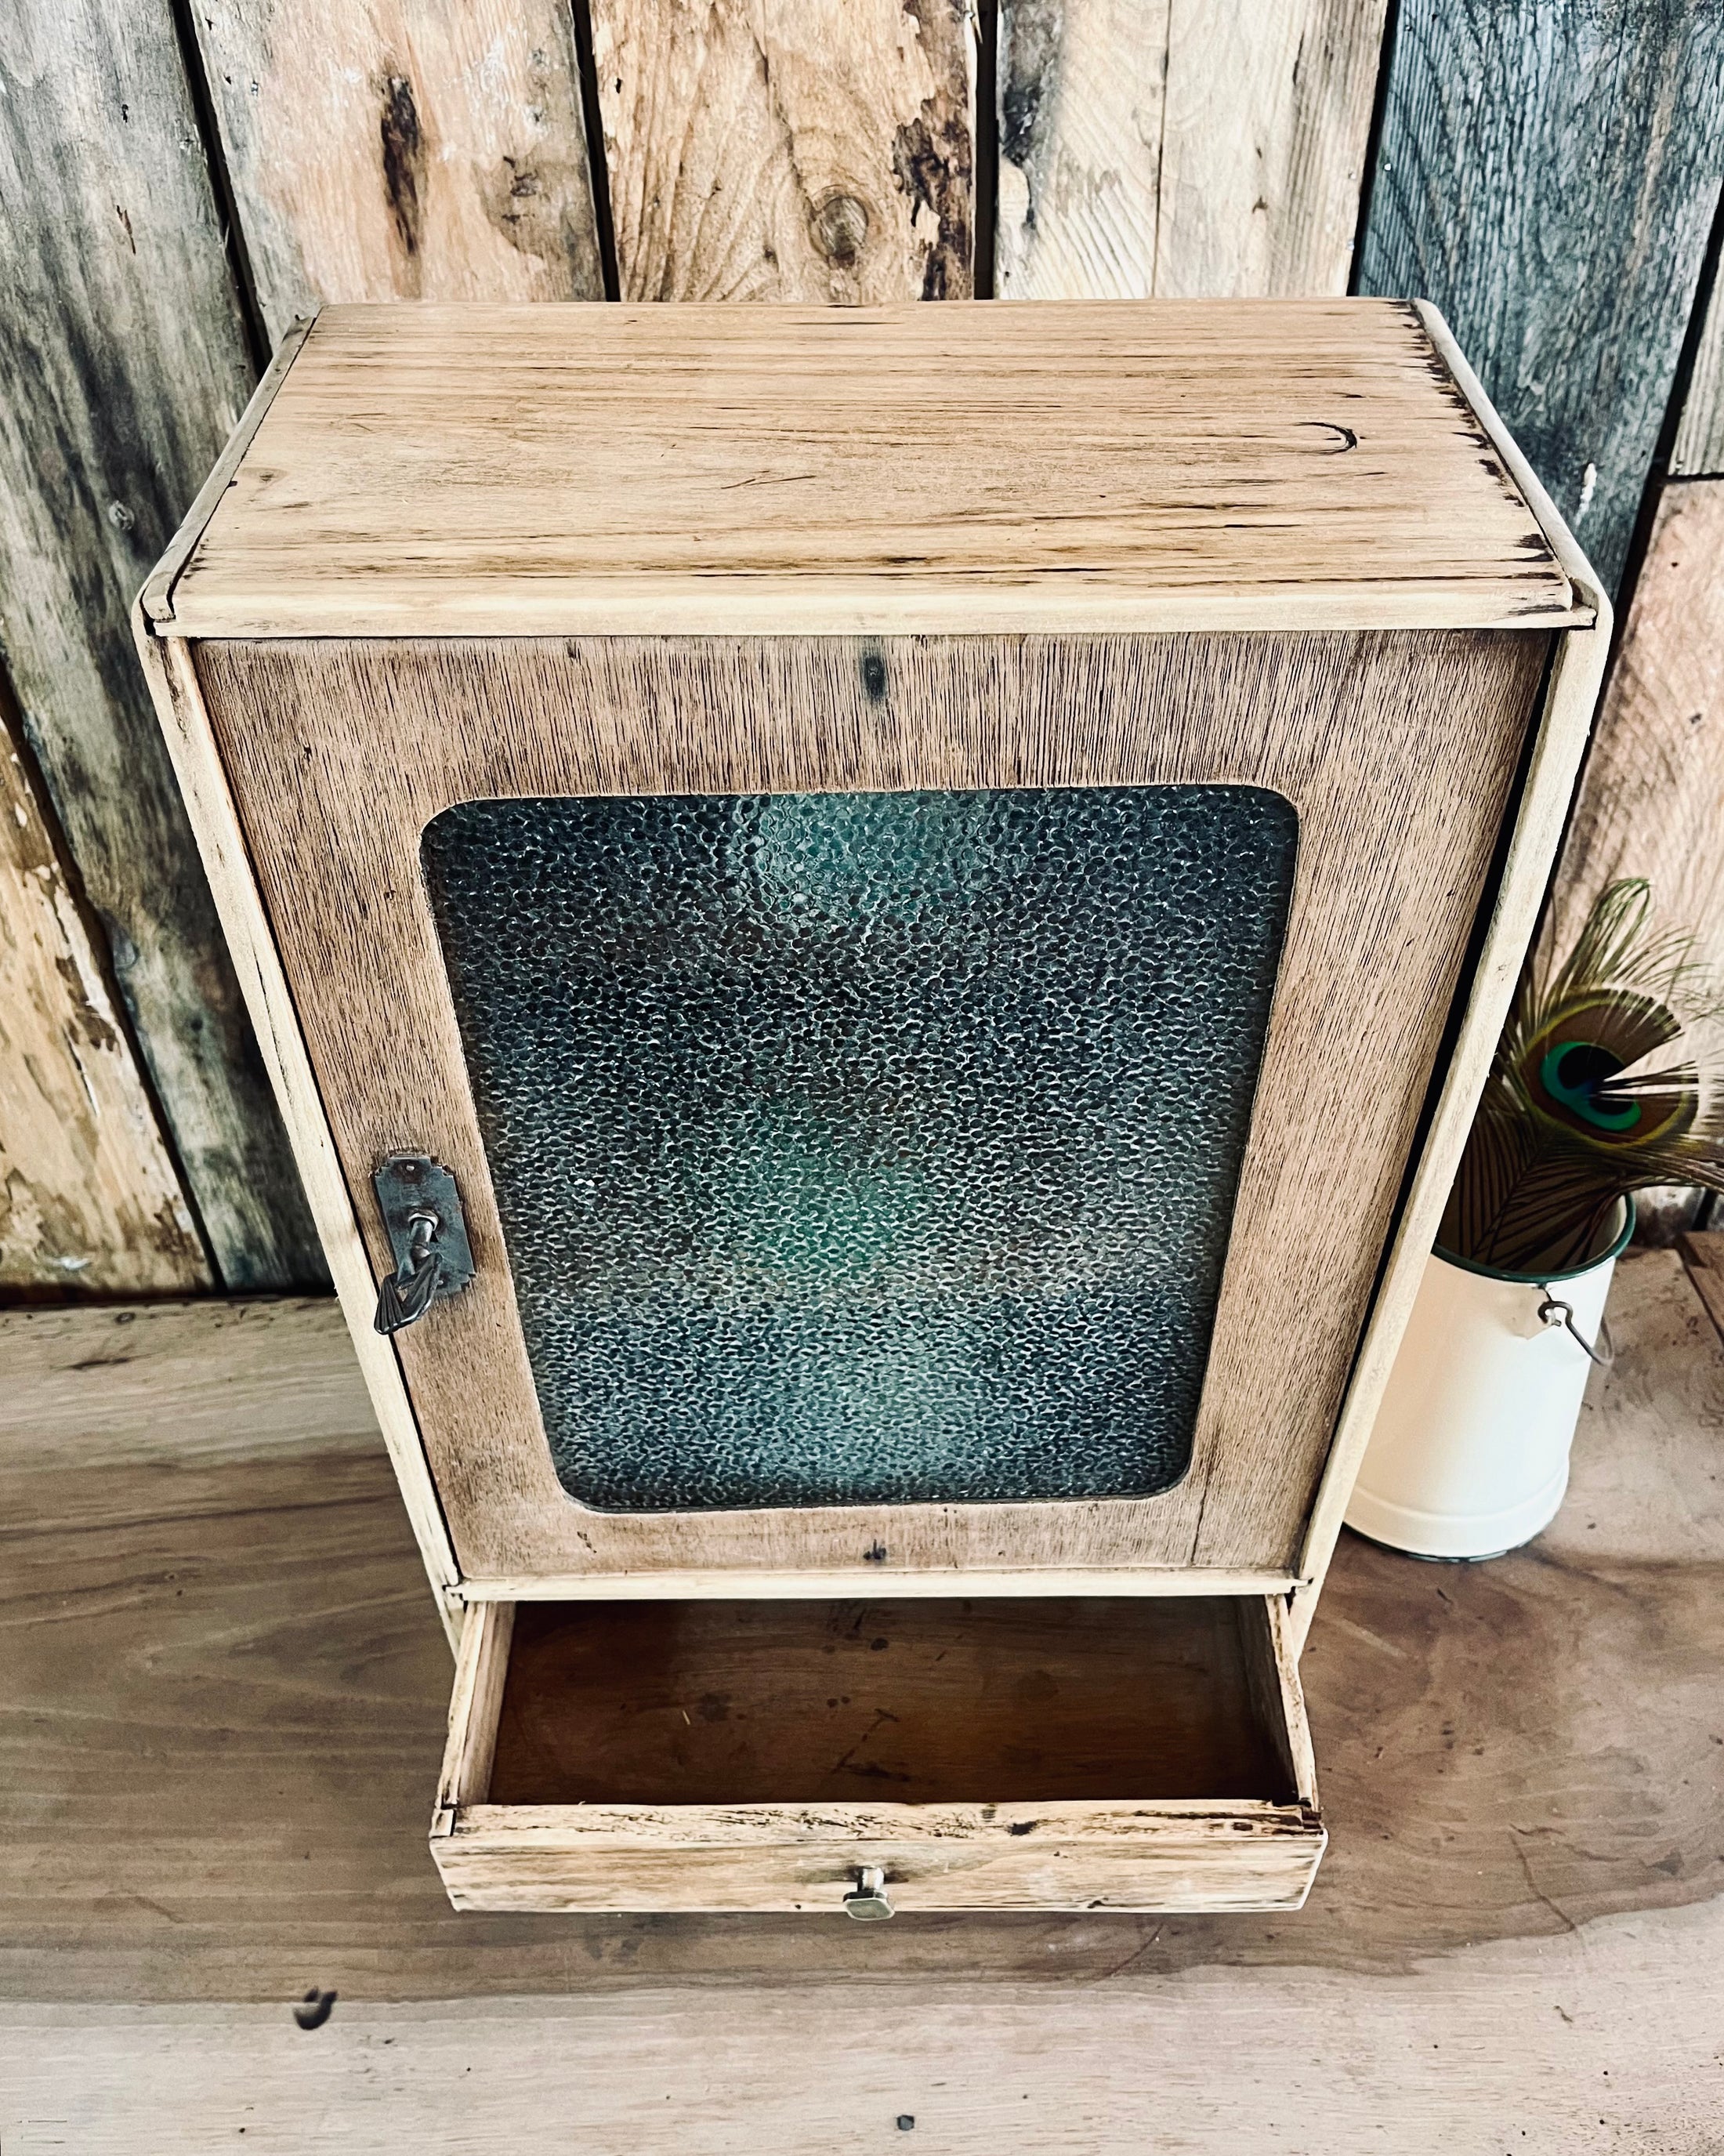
point(866, 1147)
point(1011, 1700)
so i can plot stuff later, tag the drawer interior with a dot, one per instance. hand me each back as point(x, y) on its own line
point(960, 1700)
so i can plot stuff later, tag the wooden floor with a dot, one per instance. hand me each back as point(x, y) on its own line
point(222, 1690)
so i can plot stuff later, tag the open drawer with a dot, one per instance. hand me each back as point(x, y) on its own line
point(1129, 1752)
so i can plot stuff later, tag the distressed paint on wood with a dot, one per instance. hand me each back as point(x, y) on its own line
point(90, 1200)
point(1651, 800)
point(1181, 149)
point(124, 361)
point(403, 149)
point(1699, 446)
point(812, 150)
point(1548, 175)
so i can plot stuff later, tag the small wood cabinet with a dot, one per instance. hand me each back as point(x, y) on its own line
point(877, 931)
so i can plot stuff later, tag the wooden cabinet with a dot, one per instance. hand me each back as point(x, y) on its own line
point(914, 902)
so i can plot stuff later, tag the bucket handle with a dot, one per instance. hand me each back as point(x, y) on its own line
point(1553, 1310)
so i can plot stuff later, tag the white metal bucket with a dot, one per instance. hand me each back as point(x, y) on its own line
point(1469, 1453)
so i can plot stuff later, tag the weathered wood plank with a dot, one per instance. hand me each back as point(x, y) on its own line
point(1651, 800)
point(124, 362)
point(814, 150)
point(1548, 175)
point(1591, 2044)
point(1699, 447)
point(88, 1196)
point(94, 1386)
point(1165, 147)
point(408, 149)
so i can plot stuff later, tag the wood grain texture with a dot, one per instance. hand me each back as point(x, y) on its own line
point(1171, 149)
point(1601, 2042)
point(1271, 1672)
point(805, 150)
point(403, 149)
point(1698, 450)
point(475, 1703)
point(185, 727)
point(429, 470)
point(804, 1582)
point(221, 1713)
point(582, 1858)
point(1525, 147)
point(90, 1198)
point(1392, 869)
point(122, 344)
point(1651, 801)
point(151, 606)
point(829, 1704)
point(196, 1382)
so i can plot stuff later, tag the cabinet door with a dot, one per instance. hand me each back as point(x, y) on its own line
point(922, 1107)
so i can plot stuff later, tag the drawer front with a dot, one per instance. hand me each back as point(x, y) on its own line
point(605, 1811)
point(767, 1857)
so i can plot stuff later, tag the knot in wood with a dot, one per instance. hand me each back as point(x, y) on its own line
point(839, 225)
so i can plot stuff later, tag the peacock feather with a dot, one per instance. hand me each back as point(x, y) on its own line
point(1574, 1117)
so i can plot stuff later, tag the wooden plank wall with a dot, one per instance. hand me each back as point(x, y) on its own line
point(89, 1197)
point(1183, 149)
point(1548, 173)
point(810, 150)
point(124, 360)
point(180, 182)
point(402, 149)
point(1651, 799)
point(1699, 448)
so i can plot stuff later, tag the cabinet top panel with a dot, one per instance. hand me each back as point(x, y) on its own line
point(466, 470)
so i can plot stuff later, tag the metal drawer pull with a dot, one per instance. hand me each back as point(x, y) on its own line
point(866, 1899)
point(428, 1238)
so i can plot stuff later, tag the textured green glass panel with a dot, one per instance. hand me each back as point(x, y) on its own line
point(869, 1146)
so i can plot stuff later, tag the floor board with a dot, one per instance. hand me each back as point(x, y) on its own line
point(222, 1692)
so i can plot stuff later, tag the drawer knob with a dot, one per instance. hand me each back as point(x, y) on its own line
point(866, 1899)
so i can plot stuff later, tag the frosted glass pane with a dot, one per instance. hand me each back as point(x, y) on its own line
point(870, 1147)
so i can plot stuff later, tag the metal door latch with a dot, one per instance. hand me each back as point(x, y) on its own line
point(427, 1237)
point(867, 1900)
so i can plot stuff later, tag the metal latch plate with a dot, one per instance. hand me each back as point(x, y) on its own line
point(409, 1183)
